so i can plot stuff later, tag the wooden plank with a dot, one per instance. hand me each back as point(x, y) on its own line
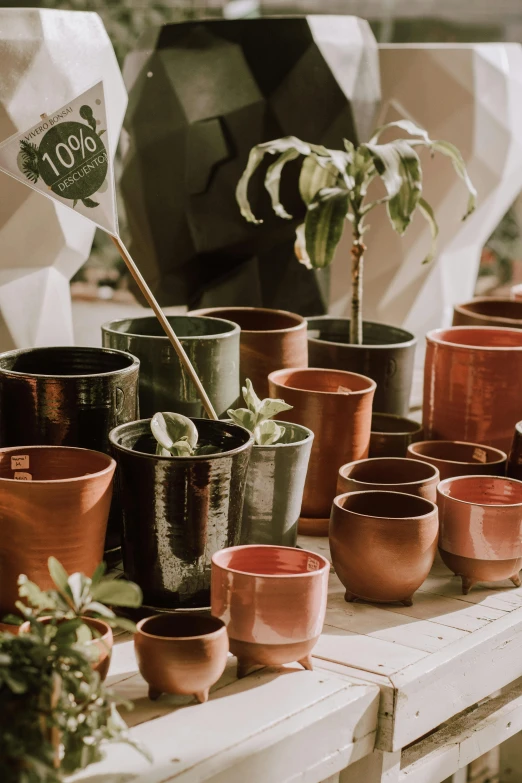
point(500, 595)
point(376, 768)
point(448, 611)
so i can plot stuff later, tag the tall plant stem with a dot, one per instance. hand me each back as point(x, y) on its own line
point(357, 252)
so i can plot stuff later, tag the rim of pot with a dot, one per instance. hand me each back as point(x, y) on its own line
point(325, 563)
point(134, 361)
point(416, 426)
point(114, 434)
point(421, 501)
point(467, 307)
point(301, 321)
point(94, 622)
point(412, 340)
point(434, 477)
point(173, 618)
point(111, 463)
point(437, 336)
point(276, 374)
point(108, 327)
point(443, 486)
point(518, 427)
point(502, 456)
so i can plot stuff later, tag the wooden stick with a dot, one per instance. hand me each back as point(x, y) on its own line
point(149, 296)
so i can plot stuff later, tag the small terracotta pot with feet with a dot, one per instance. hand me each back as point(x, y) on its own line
point(181, 653)
point(456, 458)
point(481, 528)
point(391, 474)
point(273, 599)
point(391, 435)
point(383, 544)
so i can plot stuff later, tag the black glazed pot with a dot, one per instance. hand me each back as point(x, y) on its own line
point(387, 356)
point(179, 511)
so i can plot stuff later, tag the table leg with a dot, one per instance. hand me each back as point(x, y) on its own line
point(378, 767)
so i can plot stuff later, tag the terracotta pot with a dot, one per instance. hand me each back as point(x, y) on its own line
point(383, 544)
point(54, 500)
point(481, 528)
point(273, 600)
point(514, 464)
point(178, 511)
point(455, 458)
point(270, 340)
point(472, 378)
point(386, 356)
point(489, 311)
point(393, 474)
point(340, 421)
point(391, 435)
point(181, 653)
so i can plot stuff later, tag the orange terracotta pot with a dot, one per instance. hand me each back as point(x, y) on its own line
point(269, 340)
point(54, 500)
point(273, 599)
point(455, 458)
point(181, 653)
point(481, 528)
point(391, 474)
point(489, 311)
point(383, 544)
point(337, 407)
point(472, 382)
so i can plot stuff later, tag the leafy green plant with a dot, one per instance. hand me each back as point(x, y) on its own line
point(256, 417)
point(177, 436)
point(334, 187)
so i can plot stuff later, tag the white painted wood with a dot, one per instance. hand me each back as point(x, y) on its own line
point(377, 768)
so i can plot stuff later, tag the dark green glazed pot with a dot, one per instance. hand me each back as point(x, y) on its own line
point(391, 435)
point(212, 345)
point(179, 511)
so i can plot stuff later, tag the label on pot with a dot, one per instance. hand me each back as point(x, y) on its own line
point(20, 462)
point(343, 390)
point(312, 564)
point(479, 455)
point(19, 476)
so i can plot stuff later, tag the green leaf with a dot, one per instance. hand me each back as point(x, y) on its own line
point(315, 175)
point(250, 397)
point(324, 225)
point(207, 448)
point(271, 407)
point(244, 418)
point(88, 202)
point(169, 428)
point(79, 585)
point(300, 250)
point(401, 207)
point(35, 597)
point(117, 592)
point(387, 160)
point(407, 125)
point(84, 634)
point(448, 149)
point(268, 432)
point(99, 572)
point(59, 576)
point(95, 607)
point(427, 212)
point(273, 181)
point(122, 622)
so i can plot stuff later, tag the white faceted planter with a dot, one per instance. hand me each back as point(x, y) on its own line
point(46, 58)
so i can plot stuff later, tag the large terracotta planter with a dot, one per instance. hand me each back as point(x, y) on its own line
point(181, 653)
point(489, 311)
point(386, 356)
point(455, 458)
point(212, 346)
point(472, 382)
point(270, 340)
point(481, 528)
point(383, 544)
point(337, 407)
point(273, 600)
point(53, 501)
point(393, 474)
point(178, 511)
point(391, 435)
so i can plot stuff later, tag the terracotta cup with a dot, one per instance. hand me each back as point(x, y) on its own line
point(391, 435)
point(54, 500)
point(383, 544)
point(489, 311)
point(269, 340)
point(514, 464)
point(481, 528)
point(337, 407)
point(455, 458)
point(472, 382)
point(181, 653)
point(393, 474)
point(273, 599)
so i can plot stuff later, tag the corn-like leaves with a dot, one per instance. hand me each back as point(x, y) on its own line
point(456, 158)
point(427, 212)
point(273, 181)
point(316, 173)
point(324, 225)
point(406, 125)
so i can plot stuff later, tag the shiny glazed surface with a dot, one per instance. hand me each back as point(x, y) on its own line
point(391, 435)
point(389, 473)
point(456, 458)
point(473, 570)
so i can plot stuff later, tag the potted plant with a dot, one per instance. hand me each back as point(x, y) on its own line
point(334, 186)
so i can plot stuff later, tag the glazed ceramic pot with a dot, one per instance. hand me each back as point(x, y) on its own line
point(273, 600)
point(481, 528)
point(391, 435)
point(54, 500)
point(514, 463)
point(274, 488)
point(386, 356)
point(489, 311)
point(181, 653)
point(455, 458)
point(472, 378)
point(337, 407)
point(178, 511)
point(212, 346)
point(270, 340)
point(393, 474)
point(383, 544)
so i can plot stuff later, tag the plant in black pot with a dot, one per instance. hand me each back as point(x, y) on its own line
point(334, 186)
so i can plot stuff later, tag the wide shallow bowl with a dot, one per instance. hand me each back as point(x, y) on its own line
point(389, 473)
point(456, 458)
point(273, 599)
point(181, 653)
point(489, 311)
point(481, 528)
point(391, 435)
point(383, 544)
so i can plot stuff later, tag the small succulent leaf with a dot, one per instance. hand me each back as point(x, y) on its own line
point(12, 619)
point(99, 572)
point(250, 397)
point(267, 433)
point(168, 428)
point(407, 125)
point(349, 147)
point(427, 212)
point(207, 448)
point(67, 630)
point(324, 225)
point(448, 149)
point(95, 607)
point(59, 576)
point(300, 247)
point(316, 174)
point(244, 418)
point(270, 408)
point(117, 592)
point(182, 448)
point(84, 634)
point(401, 207)
point(34, 596)
point(121, 622)
point(273, 181)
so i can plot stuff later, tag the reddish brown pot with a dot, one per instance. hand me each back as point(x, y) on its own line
point(489, 311)
point(60, 509)
point(472, 382)
point(514, 464)
point(455, 458)
point(391, 474)
point(270, 340)
point(481, 528)
point(383, 544)
point(181, 653)
point(340, 421)
point(391, 435)
point(273, 599)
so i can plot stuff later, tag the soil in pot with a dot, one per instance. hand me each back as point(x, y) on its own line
point(391, 435)
point(489, 311)
point(393, 474)
point(455, 458)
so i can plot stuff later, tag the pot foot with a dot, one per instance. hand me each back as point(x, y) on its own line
point(467, 584)
point(516, 580)
point(306, 663)
point(202, 696)
point(407, 601)
point(244, 667)
point(349, 597)
point(154, 695)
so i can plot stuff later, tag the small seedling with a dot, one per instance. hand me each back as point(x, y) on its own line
point(257, 415)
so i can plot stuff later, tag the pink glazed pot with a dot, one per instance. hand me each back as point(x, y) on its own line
point(472, 382)
point(273, 601)
point(481, 528)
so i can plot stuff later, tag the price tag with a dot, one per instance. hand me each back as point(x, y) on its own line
point(312, 564)
point(479, 455)
point(20, 462)
point(20, 476)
